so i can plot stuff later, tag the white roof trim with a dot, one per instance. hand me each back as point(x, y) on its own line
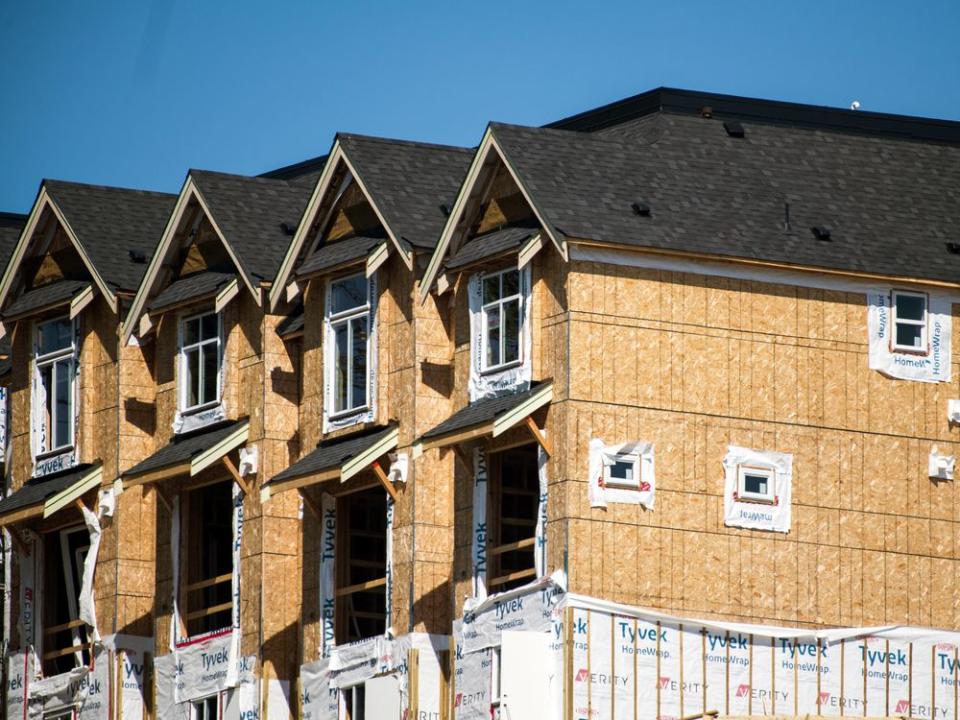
point(209, 456)
point(66, 496)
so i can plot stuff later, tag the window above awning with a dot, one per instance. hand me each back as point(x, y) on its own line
point(75, 293)
point(43, 496)
point(491, 416)
point(335, 460)
point(189, 454)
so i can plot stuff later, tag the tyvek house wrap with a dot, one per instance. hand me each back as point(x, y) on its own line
point(930, 365)
point(754, 515)
point(602, 455)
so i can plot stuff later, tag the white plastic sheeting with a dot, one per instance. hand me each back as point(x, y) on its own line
point(773, 516)
point(478, 548)
point(601, 456)
point(186, 422)
point(931, 365)
point(540, 549)
point(328, 553)
point(87, 608)
point(88, 690)
point(399, 467)
point(20, 674)
point(472, 674)
point(388, 593)
point(490, 384)
point(940, 466)
point(331, 423)
point(4, 403)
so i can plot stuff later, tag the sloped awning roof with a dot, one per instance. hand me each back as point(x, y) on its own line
point(47, 297)
point(189, 454)
point(338, 254)
point(191, 288)
point(334, 460)
point(490, 245)
point(491, 416)
point(43, 496)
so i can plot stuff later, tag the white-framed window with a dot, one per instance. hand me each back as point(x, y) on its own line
point(56, 362)
point(909, 311)
point(207, 708)
point(354, 701)
point(65, 714)
point(200, 355)
point(756, 484)
point(495, 680)
point(624, 473)
point(502, 317)
point(348, 320)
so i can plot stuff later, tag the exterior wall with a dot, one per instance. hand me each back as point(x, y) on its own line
point(693, 363)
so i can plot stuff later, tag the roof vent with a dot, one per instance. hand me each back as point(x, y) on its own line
point(706, 111)
point(733, 128)
point(137, 256)
point(821, 233)
point(288, 228)
point(953, 248)
point(445, 210)
point(641, 209)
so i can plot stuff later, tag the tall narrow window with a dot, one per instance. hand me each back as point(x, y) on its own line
point(206, 709)
point(199, 361)
point(909, 321)
point(502, 312)
point(207, 573)
point(348, 315)
point(65, 639)
point(514, 492)
point(56, 358)
point(361, 565)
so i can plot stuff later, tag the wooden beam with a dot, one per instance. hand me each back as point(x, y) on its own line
point(66, 651)
point(539, 436)
point(464, 459)
point(232, 469)
point(17, 540)
point(384, 480)
point(509, 547)
point(152, 476)
point(519, 574)
point(167, 502)
point(22, 514)
point(459, 436)
point(209, 582)
point(212, 610)
point(360, 587)
point(80, 506)
point(308, 501)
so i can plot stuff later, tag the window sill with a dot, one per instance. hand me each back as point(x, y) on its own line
point(500, 368)
point(53, 453)
point(347, 414)
point(756, 501)
point(197, 409)
point(909, 351)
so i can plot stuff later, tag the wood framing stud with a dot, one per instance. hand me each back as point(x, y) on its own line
point(17, 540)
point(384, 480)
point(464, 459)
point(539, 436)
point(232, 469)
point(313, 507)
point(167, 502)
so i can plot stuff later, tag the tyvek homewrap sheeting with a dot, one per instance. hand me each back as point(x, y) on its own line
point(20, 673)
point(756, 515)
point(540, 537)
point(132, 665)
point(330, 422)
point(681, 667)
point(478, 548)
point(328, 553)
point(602, 455)
point(318, 699)
point(527, 608)
point(388, 597)
point(471, 680)
point(930, 365)
point(196, 672)
point(490, 384)
point(88, 690)
point(28, 563)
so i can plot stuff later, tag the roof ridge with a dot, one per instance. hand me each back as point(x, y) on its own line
point(113, 188)
point(398, 141)
point(237, 176)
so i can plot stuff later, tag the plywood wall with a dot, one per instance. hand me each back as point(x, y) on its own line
point(694, 363)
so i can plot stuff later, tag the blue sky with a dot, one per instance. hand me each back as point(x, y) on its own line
point(135, 93)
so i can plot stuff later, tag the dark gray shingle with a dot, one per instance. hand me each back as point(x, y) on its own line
point(335, 254)
point(292, 324)
point(44, 297)
point(184, 448)
point(490, 245)
point(38, 490)
point(192, 287)
point(481, 412)
point(333, 454)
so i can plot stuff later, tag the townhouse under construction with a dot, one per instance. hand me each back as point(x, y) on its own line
point(647, 413)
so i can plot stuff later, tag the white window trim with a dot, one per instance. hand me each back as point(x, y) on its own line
point(197, 705)
point(500, 302)
point(922, 324)
point(744, 496)
point(51, 359)
point(333, 320)
point(182, 373)
point(617, 483)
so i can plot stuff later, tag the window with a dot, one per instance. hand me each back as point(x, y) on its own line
point(495, 680)
point(65, 645)
point(909, 321)
point(514, 493)
point(502, 311)
point(756, 484)
point(207, 593)
point(199, 361)
point(68, 714)
point(361, 565)
point(205, 709)
point(55, 366)
point(354, 701)
point(348, 315)
point(624, 473)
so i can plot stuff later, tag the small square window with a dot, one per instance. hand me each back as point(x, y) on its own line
point(909, 321)
point(624, 473)
point(756, 484)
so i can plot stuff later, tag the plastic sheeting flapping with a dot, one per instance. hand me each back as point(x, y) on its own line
point(932, 364)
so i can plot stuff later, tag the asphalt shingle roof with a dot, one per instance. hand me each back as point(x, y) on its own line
point(38, 490)
point(46, 296)
point(250, 212)
point(192, 287)
point(339, 252)
point(480, 412)
point(409, 182)
point(292, 323)
point(891, 204)
point(332, 454)
point(184, 448)
point(109, 222)
point(490, 245)
point(11, 225)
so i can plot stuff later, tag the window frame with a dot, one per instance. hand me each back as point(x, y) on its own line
point(69, 566)
point(743, 495)
point(183, 365)
point(615, 483)
point(500, 302)
point(924, 324)
point(350, 695)
point(52, 360)
point(507, 574)
point(346, 317)
point(198, 707)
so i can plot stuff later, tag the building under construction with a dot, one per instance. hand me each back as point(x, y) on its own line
point(647, 413)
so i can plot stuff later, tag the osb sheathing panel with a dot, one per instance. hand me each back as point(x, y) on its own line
point(693, 364)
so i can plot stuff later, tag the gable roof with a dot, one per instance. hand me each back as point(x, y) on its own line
point(408, 185)
point(11, 225)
